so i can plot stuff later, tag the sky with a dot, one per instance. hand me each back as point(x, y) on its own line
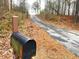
point(42, 3)
point(30, 2)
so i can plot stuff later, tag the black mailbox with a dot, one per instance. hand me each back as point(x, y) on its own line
point(24, 47)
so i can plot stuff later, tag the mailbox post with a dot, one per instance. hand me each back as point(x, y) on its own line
point(23, 47)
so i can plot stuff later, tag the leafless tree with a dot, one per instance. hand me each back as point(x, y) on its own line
point(36, 6)
point(77, 12)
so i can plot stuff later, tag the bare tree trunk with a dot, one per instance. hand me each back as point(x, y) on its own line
point(62, 8)
point(69, 7)
point(69, 10)
point(77, 12)
point(73, 12)
point(65, 7)
point(58, 7)
point(10, 5)
point(40, 6)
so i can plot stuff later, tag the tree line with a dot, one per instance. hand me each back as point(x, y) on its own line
point(63, 7)
point(56, 7)
point(9, 5)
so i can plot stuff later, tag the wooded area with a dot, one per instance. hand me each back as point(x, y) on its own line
point(56, 7)
point(8, 5)
point(63, 7)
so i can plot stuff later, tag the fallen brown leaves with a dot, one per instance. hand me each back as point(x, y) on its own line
point(47, 47)
point(6, 51)
point(65, 22)
point(5, 33)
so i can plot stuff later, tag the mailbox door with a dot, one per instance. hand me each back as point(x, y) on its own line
point(29, 49)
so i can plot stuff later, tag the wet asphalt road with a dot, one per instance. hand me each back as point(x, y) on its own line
point(70, 39)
